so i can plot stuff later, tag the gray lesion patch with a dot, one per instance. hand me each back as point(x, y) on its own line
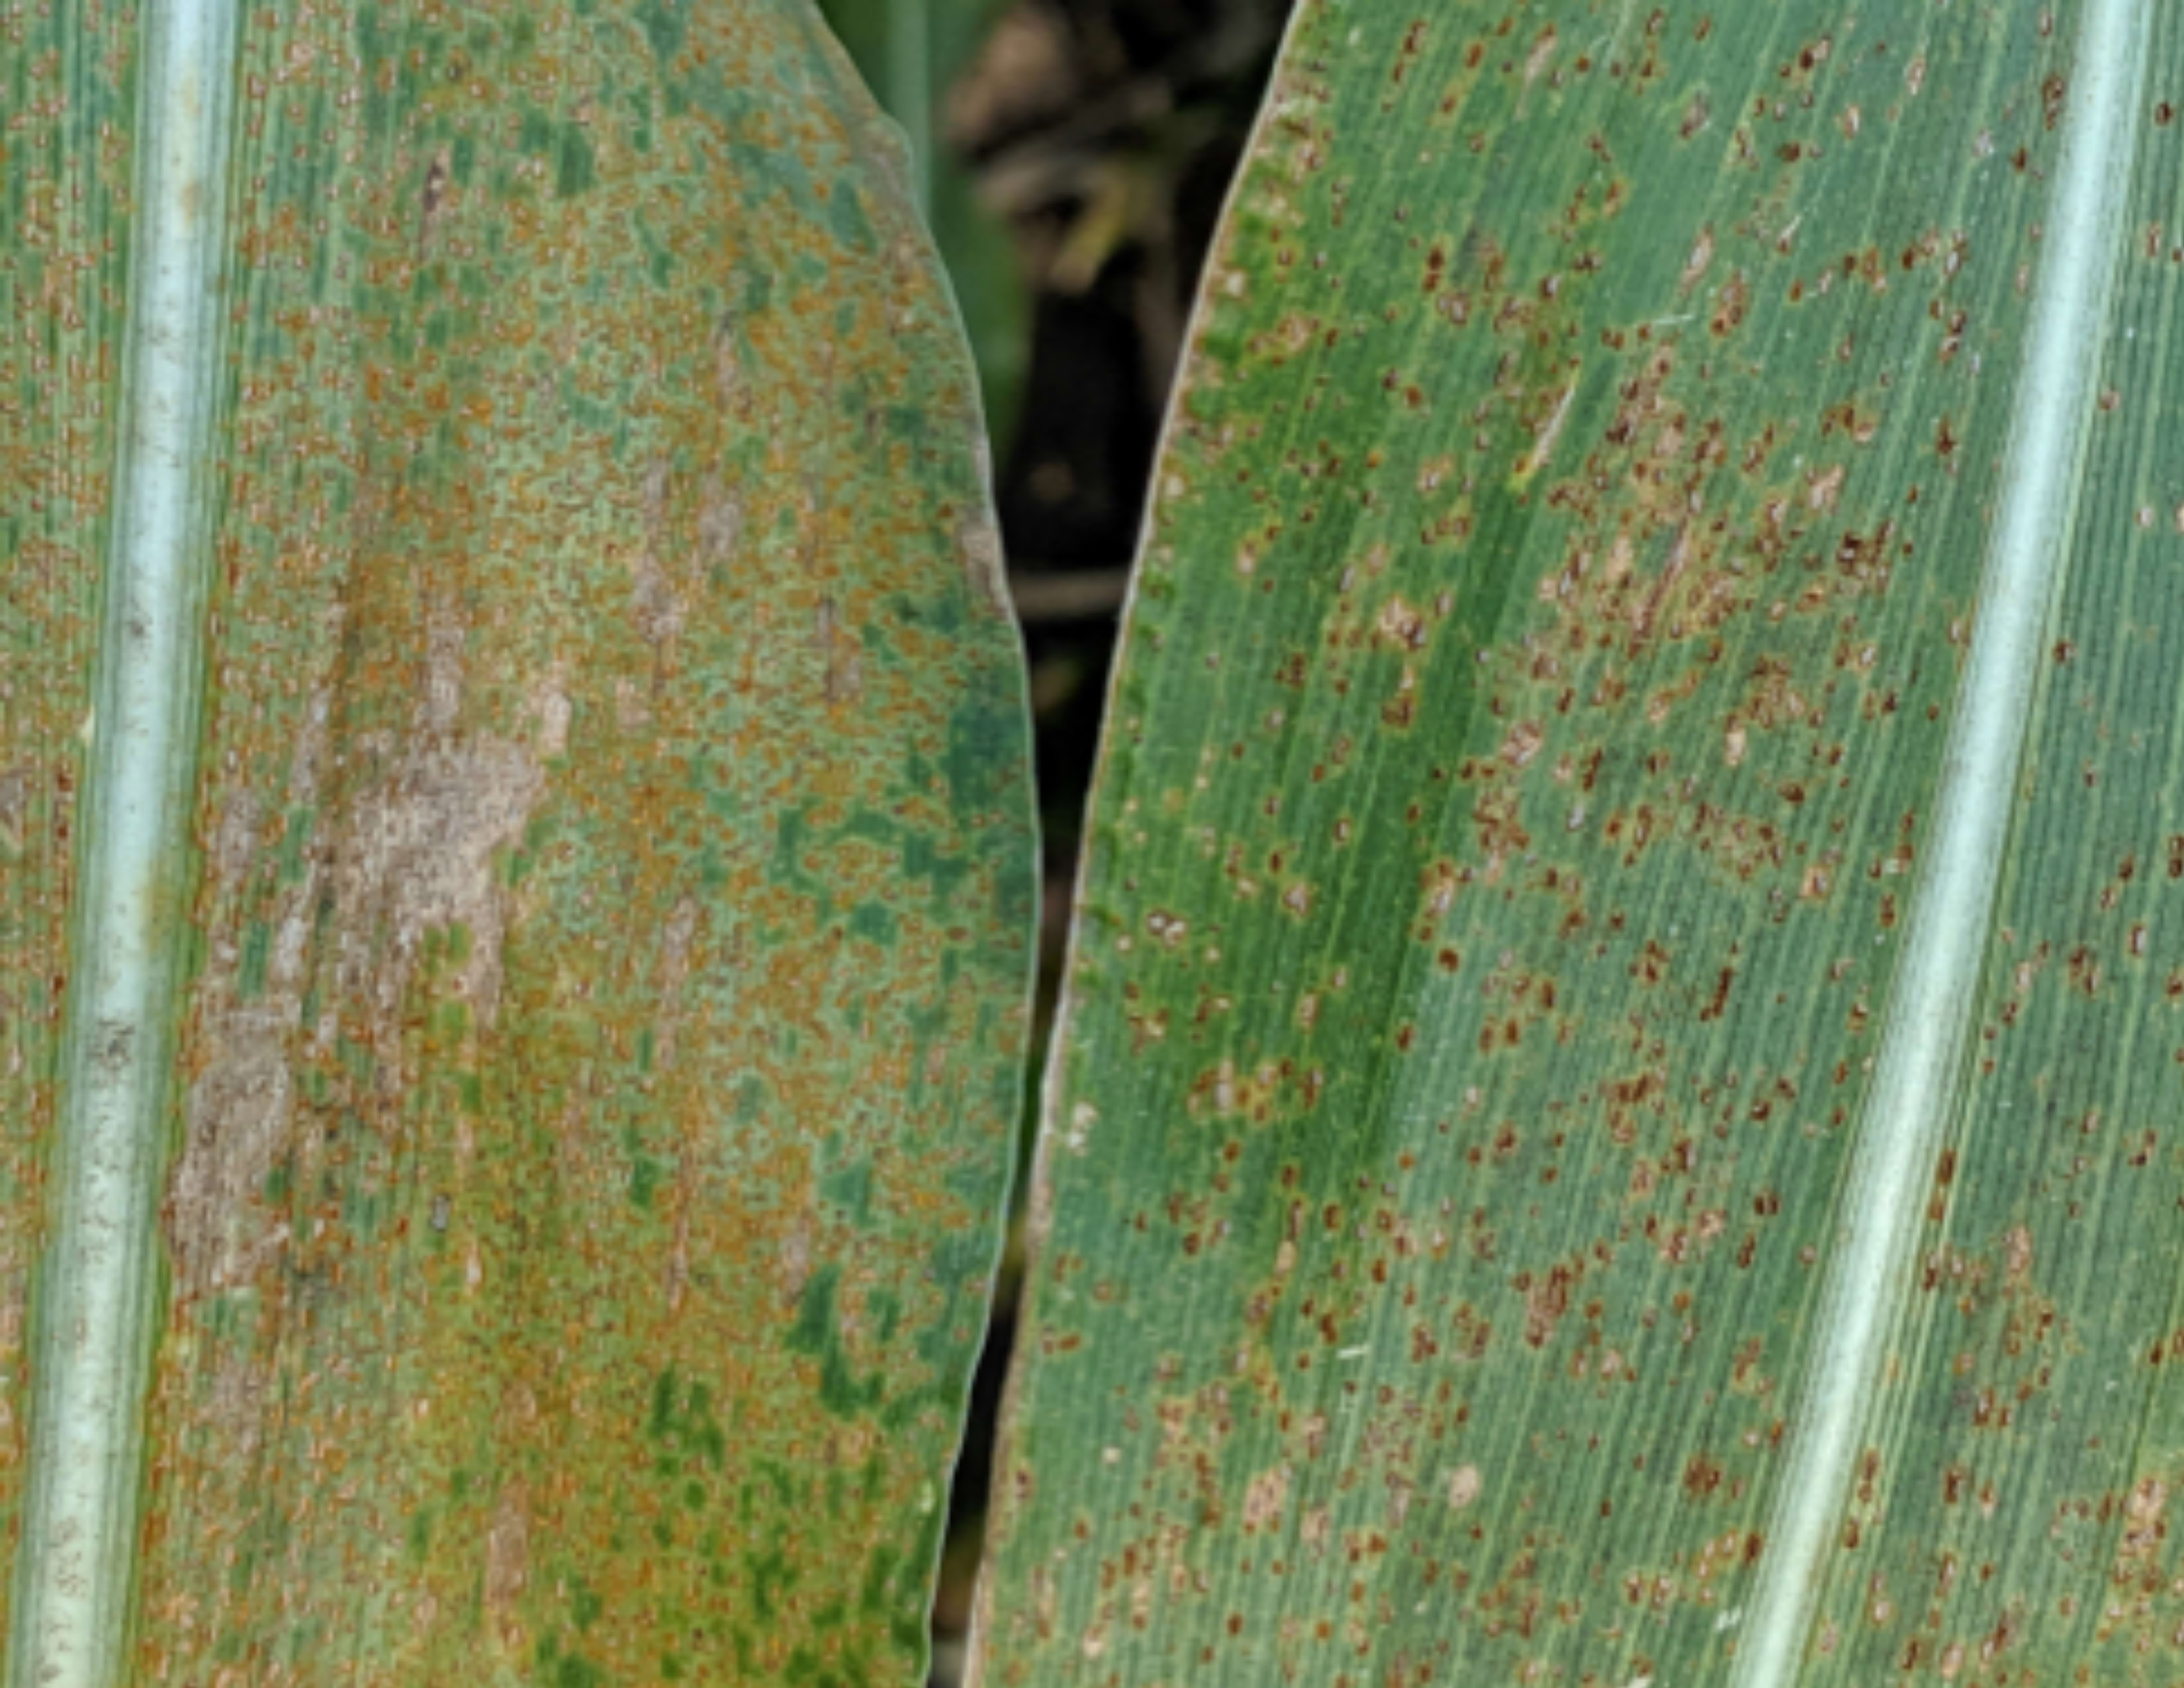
point(841, 654)
point(236, 1109)
point(417, 853)
point(719, 523)
point(655, 604)
point(15, 1303)
point(15, 784)
point(674, 969)
point(669, 575)
point(508, 1561)
point(238, 1120)
point(414, 853)
point(979, 542)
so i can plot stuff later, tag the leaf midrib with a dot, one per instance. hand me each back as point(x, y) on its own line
point(98, 1296)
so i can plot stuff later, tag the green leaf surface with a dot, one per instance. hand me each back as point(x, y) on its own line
point(1618, 1120)
point(514, 812)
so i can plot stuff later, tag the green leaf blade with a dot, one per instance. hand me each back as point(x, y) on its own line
point(1933, 993)
point(1524, 818)
point(602, 945)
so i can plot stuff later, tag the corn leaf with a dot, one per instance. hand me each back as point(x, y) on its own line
point(513, 806)
point(1619, 1116)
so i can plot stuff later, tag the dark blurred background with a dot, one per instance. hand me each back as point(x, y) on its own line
point(1073, 156)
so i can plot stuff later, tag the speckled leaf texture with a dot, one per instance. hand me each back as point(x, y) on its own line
point(1621, 1115)
point(516, 468)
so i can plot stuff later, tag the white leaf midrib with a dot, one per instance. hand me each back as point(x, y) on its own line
point(96, 1307)
point(1935, 991)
